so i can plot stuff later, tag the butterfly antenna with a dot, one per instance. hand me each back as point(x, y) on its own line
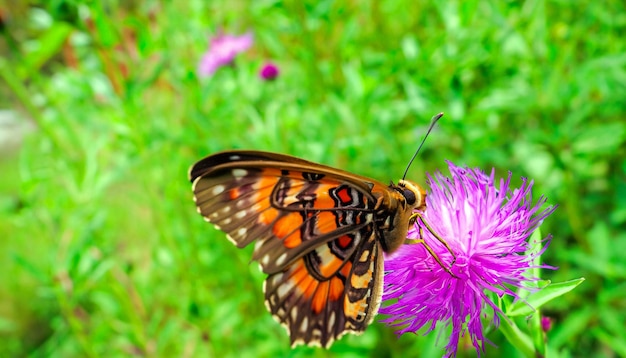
point(433, 121)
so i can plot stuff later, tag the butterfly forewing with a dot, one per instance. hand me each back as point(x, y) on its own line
point(319, 234)
point(285, 210)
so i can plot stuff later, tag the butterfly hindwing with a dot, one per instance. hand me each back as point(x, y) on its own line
point(330, 291)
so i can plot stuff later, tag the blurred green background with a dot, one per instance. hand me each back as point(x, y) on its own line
point(102, 112)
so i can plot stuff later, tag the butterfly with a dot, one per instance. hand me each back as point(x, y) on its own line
point(319, 233)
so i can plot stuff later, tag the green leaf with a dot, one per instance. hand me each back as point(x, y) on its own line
point(539, 298)
point(601, 139)
point(538, 335)
point(48, 46)
point(575, 324)
point(536, 243)
point(516, 337)
point(618, 345)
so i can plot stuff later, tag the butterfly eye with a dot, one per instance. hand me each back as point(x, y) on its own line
point(409, 195)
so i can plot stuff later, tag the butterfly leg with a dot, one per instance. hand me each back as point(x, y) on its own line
point(417, 216)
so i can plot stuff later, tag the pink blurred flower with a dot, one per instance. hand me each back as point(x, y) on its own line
point(269, 71)
point(546, 323)
point(223, 50)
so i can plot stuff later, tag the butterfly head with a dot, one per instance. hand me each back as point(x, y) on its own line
point(406, 197)
point(414, 195)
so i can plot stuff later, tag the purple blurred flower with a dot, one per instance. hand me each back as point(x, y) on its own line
point(222, 52)
point(487, 225)
point(269, 71)
point(546, 323)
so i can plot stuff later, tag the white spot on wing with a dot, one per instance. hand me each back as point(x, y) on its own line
point(234, 157)
point(265, 260)
point(239, 173)
point(316, 334)
point(277, 278)
point(304, 325)
point(283, 290)
point(294, 313)
point(365, 256)
point(281, 259)
point(242, 232)
point(240, 214)
point(218, 189)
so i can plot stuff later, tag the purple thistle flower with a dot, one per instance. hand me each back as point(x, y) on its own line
point(269, 71)
point(486, 224)
point(222, 52)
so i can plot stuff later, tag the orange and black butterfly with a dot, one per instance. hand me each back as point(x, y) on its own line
point(319, 233)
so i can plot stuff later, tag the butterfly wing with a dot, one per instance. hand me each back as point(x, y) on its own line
point(314, 233)
point(318, 308)
point(248, 156)
point(286, 207)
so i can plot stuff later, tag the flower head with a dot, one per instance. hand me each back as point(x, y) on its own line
point(486, 224)
point(546, 323)
point(269, 71)
point(223, 50)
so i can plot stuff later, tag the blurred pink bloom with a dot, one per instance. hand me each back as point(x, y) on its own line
point(269, 71)
point(546, 323)
point(222, 52)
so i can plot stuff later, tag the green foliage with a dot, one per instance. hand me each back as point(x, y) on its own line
point(103, 253)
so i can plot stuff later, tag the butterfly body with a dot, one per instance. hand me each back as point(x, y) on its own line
point(319, 234)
